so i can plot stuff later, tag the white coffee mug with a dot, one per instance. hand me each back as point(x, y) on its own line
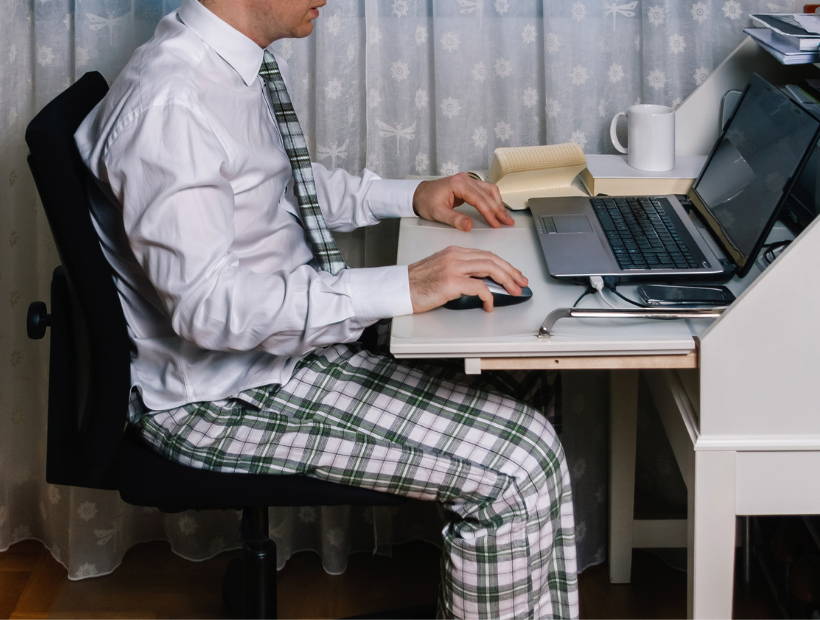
point(651, 136)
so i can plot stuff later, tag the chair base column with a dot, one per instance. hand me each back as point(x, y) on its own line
point(249, 589)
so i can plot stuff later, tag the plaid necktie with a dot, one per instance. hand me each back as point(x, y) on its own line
point(326, 255)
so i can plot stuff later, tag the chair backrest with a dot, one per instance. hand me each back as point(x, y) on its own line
point(89, 368)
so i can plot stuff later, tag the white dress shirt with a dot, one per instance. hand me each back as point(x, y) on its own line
point(197, 216)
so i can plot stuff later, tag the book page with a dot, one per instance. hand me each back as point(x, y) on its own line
point(508, 160)
point(517, 200)
point(527, 171)
point(810, 23)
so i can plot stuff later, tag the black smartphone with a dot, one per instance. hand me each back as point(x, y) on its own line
point(684, 295)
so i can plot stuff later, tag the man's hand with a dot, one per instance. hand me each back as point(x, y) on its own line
point(435, 201)
point(454, 271)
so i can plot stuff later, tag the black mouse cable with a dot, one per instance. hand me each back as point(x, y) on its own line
point(614, 289)
point(588, 290)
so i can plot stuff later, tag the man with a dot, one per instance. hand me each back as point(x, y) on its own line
point(245, 317)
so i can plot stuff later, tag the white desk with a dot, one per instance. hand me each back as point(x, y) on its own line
point(739, 453)
point(737, 396)
point(507, 338)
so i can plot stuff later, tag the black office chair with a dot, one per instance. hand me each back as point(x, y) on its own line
point(89, 444)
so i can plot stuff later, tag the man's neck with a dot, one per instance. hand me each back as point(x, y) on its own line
point(239, 15)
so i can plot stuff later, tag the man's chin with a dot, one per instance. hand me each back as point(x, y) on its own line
point(304, 31)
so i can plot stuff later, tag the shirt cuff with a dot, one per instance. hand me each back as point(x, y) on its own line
point(379, 292)
point(388, 198)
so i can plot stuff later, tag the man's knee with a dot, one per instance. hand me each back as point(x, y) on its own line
point(537, 451)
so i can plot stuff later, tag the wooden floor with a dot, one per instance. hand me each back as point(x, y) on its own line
point(154, 583)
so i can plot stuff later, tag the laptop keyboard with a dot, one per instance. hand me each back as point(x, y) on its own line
point(646, 233)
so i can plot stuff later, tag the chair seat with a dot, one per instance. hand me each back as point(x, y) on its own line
point(146, 478)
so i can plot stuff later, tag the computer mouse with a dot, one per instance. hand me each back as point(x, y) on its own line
point(500, 297)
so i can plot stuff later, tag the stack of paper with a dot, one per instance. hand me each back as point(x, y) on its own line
point(792, 38)
point(800, 31)
point(783, 53)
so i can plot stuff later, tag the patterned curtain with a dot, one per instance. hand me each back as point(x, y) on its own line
point(404, 87)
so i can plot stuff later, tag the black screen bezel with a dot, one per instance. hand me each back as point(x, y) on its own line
point(796, 214)
point(742, 261)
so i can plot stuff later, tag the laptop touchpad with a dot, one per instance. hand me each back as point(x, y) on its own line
point(572, 224)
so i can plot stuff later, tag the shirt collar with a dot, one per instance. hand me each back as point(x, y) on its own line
point(243, 54)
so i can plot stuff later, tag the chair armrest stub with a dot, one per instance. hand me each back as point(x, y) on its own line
point(37, 320)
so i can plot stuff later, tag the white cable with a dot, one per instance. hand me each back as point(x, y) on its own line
point(607, 301)
point(597, 283)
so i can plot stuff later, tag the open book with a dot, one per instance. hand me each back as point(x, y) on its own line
point(526, 172)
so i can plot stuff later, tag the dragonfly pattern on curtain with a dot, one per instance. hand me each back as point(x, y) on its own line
point(403, 87)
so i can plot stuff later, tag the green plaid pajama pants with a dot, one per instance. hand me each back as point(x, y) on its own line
point(425, 431)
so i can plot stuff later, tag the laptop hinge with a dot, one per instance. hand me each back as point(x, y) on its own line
point(726, 246)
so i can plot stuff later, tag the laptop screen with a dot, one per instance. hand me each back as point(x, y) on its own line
point(751, 168)
point(803, 203)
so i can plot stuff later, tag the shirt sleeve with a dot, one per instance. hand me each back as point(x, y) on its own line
point(349, 202)
point(165, 170)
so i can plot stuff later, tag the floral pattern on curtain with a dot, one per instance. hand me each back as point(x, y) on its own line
point(404, 87)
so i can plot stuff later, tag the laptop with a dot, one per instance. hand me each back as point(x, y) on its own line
point(716, 230)
point(803, 202)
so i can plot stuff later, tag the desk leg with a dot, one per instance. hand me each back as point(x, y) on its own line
point(712, 536)
point(623, 394)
